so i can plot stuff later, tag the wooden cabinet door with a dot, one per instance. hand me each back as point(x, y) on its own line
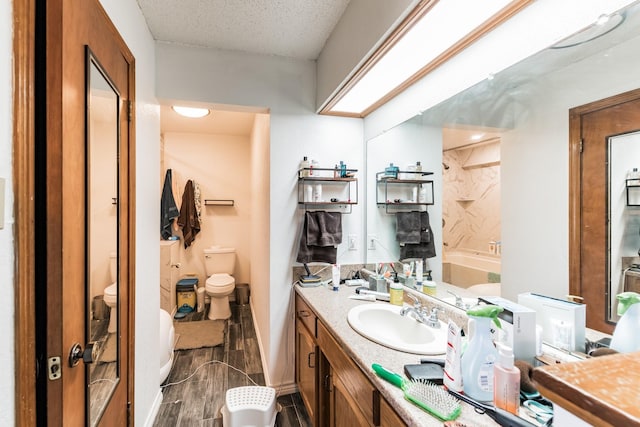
point(389, 417)
point(344, 411)
point(306, 373)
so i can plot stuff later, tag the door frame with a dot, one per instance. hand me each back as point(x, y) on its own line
point(575, 195)
point(24, 169)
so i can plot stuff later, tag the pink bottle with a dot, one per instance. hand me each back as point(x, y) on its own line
point(506, 381)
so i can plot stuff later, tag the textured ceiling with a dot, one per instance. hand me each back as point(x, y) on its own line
point(289, 28)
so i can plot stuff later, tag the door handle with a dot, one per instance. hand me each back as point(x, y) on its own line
point(313, 353)
point(88, 355)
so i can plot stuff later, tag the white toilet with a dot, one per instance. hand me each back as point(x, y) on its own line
point(219, 263)
point(167, 343)
point(111, 293)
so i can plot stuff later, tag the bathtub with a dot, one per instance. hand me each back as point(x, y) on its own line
point(467, 268)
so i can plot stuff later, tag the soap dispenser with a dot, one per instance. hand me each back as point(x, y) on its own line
point(428, 285)
point(480, 355)
point(625, 337)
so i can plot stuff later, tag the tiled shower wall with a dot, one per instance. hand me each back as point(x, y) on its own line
point(471, 197)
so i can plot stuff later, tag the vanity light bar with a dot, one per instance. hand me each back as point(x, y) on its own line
point(433, 33)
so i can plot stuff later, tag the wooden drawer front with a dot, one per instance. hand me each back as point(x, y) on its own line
point(389, 417)
point(355, 382)
point(306, 315)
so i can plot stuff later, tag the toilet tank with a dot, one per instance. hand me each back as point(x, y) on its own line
point(219, 260)
point(113, 266)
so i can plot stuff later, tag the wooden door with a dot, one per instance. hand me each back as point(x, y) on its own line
point(591, 126)
point(78, 33)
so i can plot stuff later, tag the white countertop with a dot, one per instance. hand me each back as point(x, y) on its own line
point(332, 308)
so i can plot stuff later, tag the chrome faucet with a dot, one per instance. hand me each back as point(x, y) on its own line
point(416, 309)
point(432, 320)
point(459, 302)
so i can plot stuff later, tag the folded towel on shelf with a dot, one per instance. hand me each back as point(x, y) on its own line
point(426, 247)
point(408, 227)
point(324, 229)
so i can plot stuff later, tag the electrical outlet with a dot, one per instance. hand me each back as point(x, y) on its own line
point(353, 242)
point(371, 242)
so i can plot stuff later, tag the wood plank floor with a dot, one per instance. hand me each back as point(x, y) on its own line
point(197, 401)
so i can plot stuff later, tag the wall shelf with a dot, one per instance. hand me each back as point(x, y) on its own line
point(633, 185)
point(336, 193)
point(392, 193)
point(218, 202)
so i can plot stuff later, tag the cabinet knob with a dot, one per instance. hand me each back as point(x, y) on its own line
point(303, 313)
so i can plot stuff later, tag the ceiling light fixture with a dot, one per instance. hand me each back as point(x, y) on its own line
point(498, 33)
point(191, 112)
point(429, 37)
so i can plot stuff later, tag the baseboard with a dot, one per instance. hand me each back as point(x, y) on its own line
point(284, 389)
point(267, 379)
point(155, 408)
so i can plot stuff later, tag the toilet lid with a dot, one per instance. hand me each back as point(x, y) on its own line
point(221, 279)
point(111, 290)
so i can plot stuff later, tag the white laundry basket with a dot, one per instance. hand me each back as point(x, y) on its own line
point(249, 406)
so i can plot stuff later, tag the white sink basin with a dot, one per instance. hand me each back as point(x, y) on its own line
point(383, 324)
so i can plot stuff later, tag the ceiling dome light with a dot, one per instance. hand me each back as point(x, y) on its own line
point(194, 113)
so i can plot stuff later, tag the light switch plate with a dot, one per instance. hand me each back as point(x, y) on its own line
point(353, 242)
point(1, 203)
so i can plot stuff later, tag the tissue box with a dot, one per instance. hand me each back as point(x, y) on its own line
point(563, 322)
point(518, 327)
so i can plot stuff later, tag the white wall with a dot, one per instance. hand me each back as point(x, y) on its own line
point(7, 373)
point(287, 88)
point(130, 23)
point(260, 256)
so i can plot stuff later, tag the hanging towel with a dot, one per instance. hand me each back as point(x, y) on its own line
point(324, 229)
point(188, 218)
point(426, 248)
point(408, 227)
point(168, 209)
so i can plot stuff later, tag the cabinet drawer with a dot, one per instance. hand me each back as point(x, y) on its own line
point(306, 315)
point(356, 384)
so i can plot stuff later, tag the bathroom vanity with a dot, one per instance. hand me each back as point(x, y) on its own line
point(333, 368)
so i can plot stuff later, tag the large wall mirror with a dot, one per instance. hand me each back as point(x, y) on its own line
point(499, 153)
point(624, 214)
point(102, 237)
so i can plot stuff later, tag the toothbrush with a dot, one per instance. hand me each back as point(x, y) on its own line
point(424, 394)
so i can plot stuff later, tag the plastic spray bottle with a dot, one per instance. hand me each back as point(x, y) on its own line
point(626, 338)
point(506, 381)
point(480, 355)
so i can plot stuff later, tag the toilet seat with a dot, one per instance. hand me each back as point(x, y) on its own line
point(219, 280)
point(111, 293)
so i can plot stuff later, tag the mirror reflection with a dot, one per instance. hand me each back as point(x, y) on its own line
point(624, 214)
point(500, 208)
point(102, 235)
